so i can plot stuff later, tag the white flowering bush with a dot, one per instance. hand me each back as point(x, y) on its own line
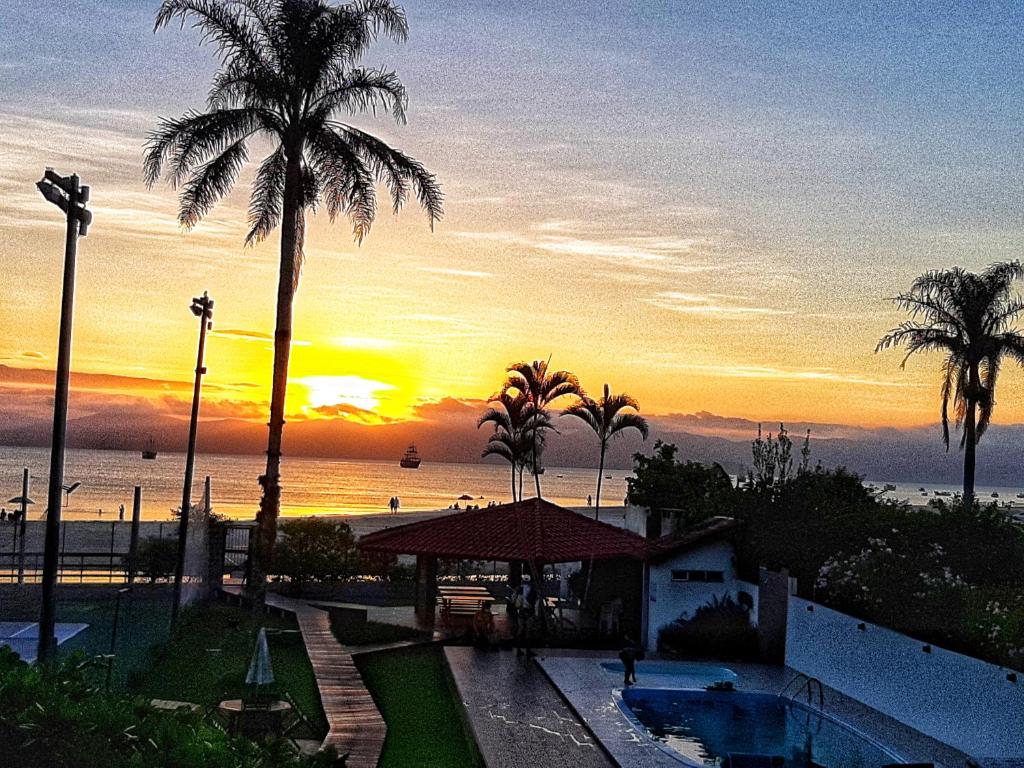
point(995, 622)
point(891, 582)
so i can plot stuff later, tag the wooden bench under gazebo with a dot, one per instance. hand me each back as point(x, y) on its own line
point(528, 535)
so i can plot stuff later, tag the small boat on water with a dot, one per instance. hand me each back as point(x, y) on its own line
point(1020, 495)
point(410, 459)
point(150, 452)
point(890, 487)
point(995, 495)
point(943, 493)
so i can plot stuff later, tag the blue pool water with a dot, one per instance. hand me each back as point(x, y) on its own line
point(704, 726)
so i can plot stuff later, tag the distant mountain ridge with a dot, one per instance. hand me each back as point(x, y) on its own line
point(447, 432)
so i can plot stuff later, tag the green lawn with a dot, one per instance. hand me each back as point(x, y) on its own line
point(373, 632)
point(207, 661)
point(413, 690)
point(142, 624)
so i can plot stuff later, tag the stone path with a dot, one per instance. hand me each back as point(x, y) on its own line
point(517, 716)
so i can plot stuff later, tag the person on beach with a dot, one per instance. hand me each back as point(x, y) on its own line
point(629, 655)
point(393, 504)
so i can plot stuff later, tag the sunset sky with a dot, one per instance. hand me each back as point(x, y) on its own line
point(705, 205)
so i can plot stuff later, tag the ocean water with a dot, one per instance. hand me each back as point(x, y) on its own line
point(311, 486)
point(323, 486)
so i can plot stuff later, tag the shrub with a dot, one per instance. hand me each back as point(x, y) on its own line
point(721, 628)
point(314, 549)
point(157, 558)
point(53, 716)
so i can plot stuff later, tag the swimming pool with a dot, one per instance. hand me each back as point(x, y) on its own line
point(701, 727)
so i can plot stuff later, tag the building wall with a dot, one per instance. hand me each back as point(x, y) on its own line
point(961, 701)
point(667, 600)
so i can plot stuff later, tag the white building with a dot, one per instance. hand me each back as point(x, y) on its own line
point(685, 571)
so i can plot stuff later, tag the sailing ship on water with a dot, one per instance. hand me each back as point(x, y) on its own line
point(410, 459)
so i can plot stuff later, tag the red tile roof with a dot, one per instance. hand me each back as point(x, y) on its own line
point(533, 529)
point(709, 530)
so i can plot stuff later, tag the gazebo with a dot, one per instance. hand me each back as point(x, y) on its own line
point(532, 533)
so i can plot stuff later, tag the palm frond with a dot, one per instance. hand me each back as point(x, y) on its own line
point(210, 183)
point(267, 197)
point(623, 421)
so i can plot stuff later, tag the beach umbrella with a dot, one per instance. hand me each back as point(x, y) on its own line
point(260, 670)
point(465, 497)
point(20, 500)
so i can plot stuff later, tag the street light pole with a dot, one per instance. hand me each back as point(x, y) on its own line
point(67, 194)
point(202, 308)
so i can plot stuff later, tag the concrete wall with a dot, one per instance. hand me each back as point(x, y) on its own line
point(961, 701)
point(667, 600)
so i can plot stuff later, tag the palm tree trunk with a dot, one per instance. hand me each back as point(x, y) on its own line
point(970, 440)
point(536, 468)
point(600, 474)
point(597, 515)
point(270, 503)
point(513, 482)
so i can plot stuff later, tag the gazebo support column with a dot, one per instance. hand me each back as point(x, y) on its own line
point(426, 588)
point(515, 573)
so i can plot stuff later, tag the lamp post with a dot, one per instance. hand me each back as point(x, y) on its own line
point(202, 308)
point(71, 197)
point(113, 635)
point(21, 528)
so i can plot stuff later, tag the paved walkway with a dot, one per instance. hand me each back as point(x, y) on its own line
point(517, 717)
point(355, 726)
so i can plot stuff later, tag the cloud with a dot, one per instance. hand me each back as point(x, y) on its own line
point(719, 305)
point(350, 412)
point(449, 408)
point(455, 272)
point(752, 371)
point(242, 335)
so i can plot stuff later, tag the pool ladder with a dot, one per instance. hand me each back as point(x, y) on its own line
point(804, 683)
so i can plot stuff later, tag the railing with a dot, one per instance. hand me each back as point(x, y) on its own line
point(72, 567)
point(802, 683)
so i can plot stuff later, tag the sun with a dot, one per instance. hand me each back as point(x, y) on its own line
point(323, 391)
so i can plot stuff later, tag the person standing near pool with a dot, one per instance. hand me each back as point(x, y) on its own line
point(629, 656)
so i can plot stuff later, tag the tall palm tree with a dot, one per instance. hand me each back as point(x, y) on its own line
point(607, 419)
point(289, 69)
point(512, 417)
point(969, 318)
point(541, 387)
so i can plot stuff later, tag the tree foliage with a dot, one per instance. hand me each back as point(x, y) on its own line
point(315, 549)
point(688, 490)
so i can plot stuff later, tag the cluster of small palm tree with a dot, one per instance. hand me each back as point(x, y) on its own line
point(968, 317)
point(521, 416)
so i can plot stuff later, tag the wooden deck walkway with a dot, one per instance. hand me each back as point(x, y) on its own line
point(355, 726)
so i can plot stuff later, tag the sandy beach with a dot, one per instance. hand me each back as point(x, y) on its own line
point(114, 535)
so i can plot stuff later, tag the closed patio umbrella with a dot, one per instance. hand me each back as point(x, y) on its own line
point(260, 670)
